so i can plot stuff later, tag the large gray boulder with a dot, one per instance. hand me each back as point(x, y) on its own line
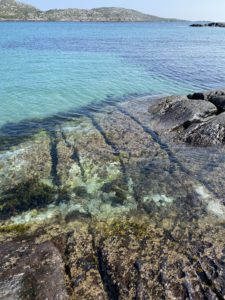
point(197, 119)
point(219, 102)
point(174, 112)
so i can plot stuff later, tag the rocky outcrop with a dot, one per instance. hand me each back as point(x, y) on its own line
point(213, 24)
point(196, 119)
point(174, 112)
point(11, 9)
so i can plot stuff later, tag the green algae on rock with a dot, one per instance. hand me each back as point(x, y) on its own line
point(25, 196)
point(17, 228)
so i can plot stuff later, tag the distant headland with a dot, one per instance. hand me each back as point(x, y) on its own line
point(11, 10)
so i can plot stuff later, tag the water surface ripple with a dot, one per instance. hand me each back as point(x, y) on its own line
point(50, 68)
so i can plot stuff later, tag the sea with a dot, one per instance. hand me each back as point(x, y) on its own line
point(49, 69)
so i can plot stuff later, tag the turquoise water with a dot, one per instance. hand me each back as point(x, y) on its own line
point(50, 68)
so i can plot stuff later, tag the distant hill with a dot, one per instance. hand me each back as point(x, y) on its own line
point(10, 9)
point(103, 14)
point(13, 10)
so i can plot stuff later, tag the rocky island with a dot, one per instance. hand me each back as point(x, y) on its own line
point(125, 202)
point(11, 10)
point(214, 24)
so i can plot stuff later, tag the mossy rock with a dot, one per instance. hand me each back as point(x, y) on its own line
point(28, 195)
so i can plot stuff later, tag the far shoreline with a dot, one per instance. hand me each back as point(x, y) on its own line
point(87, 21)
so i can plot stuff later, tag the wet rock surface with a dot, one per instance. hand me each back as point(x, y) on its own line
point(195, 119)
point(175, 112)
point(118, 204)
point(127, 258)
point(207, 134)
point(30, 271)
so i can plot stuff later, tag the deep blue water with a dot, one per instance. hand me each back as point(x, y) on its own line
point(50, 68)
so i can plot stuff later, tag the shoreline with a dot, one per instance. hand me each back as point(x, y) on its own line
point(86, 21)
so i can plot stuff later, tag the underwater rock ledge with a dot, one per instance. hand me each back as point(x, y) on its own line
point(125, 203)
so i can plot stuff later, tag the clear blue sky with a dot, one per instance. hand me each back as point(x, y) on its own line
point(186, 9)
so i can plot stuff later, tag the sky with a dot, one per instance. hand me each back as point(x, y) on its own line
point(207, 10)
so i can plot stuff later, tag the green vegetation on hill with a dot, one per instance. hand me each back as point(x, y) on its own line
point(13, 10)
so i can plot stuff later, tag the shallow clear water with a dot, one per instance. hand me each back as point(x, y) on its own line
point(49, 68)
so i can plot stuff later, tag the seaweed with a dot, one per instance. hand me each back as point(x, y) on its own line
point(17, 228)
point(25, 196)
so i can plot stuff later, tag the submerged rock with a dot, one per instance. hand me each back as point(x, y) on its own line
point(25, 196)
point(112, 206)
point(27, 161)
